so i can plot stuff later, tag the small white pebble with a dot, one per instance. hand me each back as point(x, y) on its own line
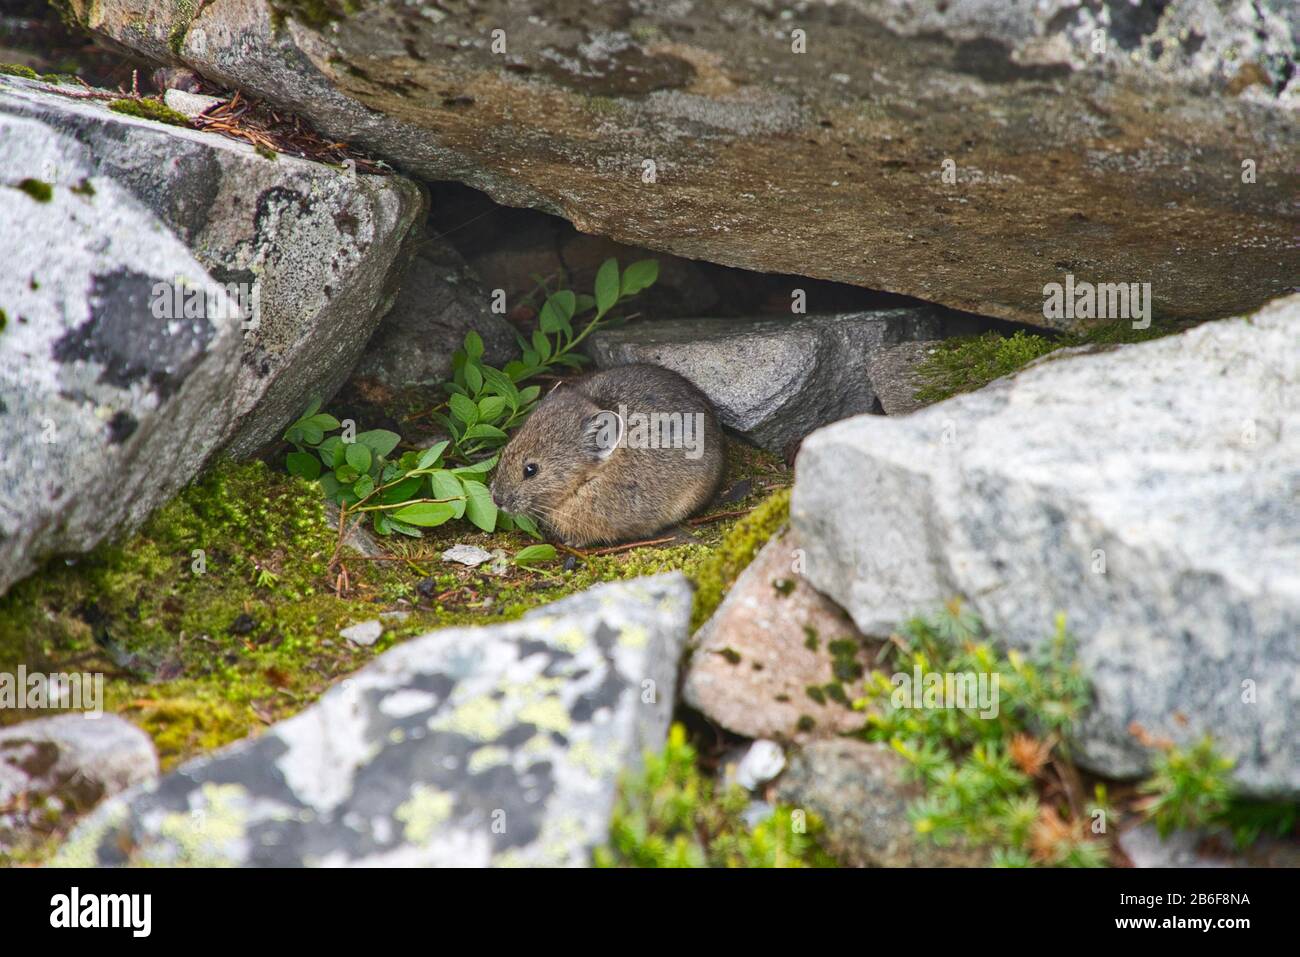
point(470, 555)
point(365, 633)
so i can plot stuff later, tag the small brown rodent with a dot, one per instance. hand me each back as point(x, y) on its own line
point(613, 457)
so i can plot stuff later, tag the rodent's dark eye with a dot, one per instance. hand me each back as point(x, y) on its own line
point(530, 469)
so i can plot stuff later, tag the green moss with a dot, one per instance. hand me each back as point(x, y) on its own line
point(735, 552)
point(835, 692)
point(844, 659)
point(219, 615)
point(187, 664)
point(84, 188)
point(37, 189)
point(149, 110)
point(266, 152)
point(155, 613)
point(317, 14)
point(17, 69)
point(4, 320)
point(184, 13)
point(962, 365)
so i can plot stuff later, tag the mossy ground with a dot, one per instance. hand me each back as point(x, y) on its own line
point(969, 363)
point(201, 655)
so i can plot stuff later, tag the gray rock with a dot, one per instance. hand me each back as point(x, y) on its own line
point(766, 645)
point(105, 411)
point(53, 768)
point(772, 380)
point(189, 104)
point(470, 555)
point(315, 246)
point(981, 152)
point(861, 793)
point(357, 536)
point(1194, 43)
point(1145, 848)
point(470, 747)
point(439, 300)
point(364, 633)
point(892, 371)
point(112, 396)
point(1204, 849)
point(756, 765)
point(1148, 492)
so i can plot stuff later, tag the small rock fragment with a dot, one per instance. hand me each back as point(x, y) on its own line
point(470, 555)
point(365, 633)
point(190, 104)
point(762, 762)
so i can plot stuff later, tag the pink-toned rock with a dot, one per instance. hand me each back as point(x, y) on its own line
point(777, 659)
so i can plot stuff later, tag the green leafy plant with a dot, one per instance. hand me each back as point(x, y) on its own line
point(1188, 787)
point(979, 769)
point(670, 815)
point(1248, 821)
point(534, 554)
point(425, 488)
point(417, 490)
point(485, 403)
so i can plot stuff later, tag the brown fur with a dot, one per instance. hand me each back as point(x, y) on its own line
point(585, 493)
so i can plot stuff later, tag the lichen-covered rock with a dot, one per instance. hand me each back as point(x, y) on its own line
point(981, 151)
point(777, 659)
point(1148, 492)
point(499, 746)
point(1210, 43)
point(53, 768)
point(439, 300)
point(861, 793)
point(164, 293)
point(105, 410)
point(772, 380)
point(308, 249)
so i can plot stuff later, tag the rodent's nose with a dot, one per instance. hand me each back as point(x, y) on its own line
point(499, 500)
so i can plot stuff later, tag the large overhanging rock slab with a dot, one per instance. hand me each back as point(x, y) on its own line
point(1148, 492)
point(465, 747)
point(307, 250)
point(774, 380)
point(970, 154)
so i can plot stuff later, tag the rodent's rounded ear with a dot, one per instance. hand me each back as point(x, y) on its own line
point(602, 433)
